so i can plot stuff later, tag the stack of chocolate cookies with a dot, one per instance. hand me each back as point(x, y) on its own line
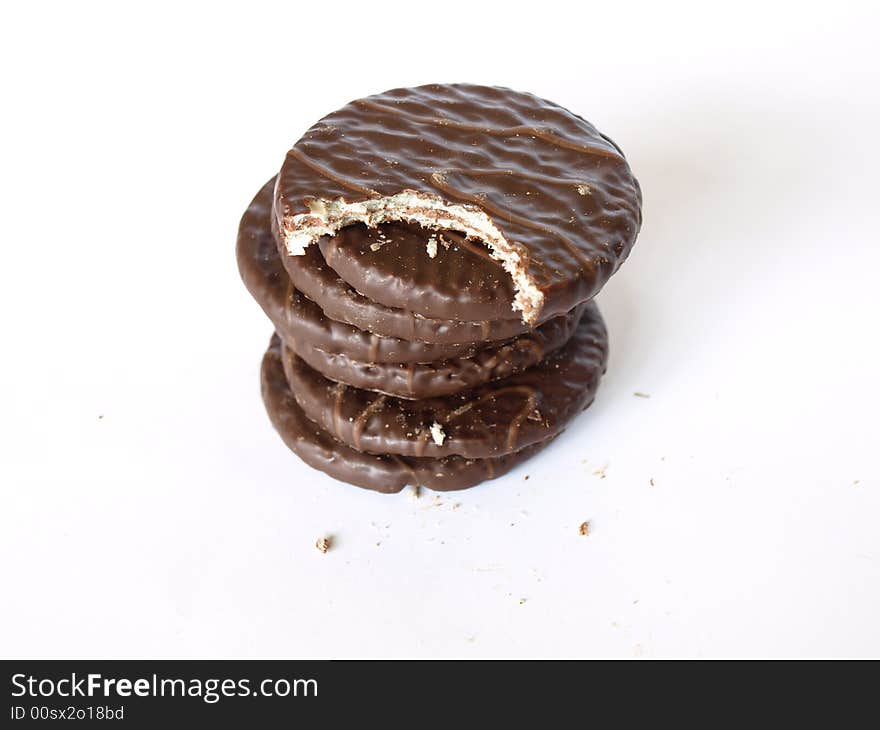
point(428, 258)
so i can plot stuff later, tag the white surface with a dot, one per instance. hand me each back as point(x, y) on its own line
point(150, 510)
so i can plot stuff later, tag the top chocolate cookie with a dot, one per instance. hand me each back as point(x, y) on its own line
point(552, 198)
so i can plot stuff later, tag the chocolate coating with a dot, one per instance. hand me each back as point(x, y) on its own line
point(339, 301)
point(297, 318)
point(429, 380)
point(496, 418)
point(381, 473)
point(560, 192)
point(391, 265)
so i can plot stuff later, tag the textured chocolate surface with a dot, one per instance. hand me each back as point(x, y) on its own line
point(497, 418)
point(297, 318)
point(560, 192)
point(429, 380)
point(339, 301)
point(381, 473)
point(435, 274)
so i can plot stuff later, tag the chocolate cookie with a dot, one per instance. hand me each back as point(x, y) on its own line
point(553, 199)
point(433, 273)
point(382, 473)
point(493, 419)
point(297, 318)
point(430, 380)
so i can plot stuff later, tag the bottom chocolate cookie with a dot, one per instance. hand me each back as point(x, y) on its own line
point(382, 473)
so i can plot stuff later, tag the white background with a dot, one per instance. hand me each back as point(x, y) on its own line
point(150, 510)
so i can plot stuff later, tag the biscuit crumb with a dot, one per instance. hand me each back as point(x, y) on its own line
point(375, 246)
point(437, 433)
point(526, 477)
point(637, 394)
point(415, 492)
point(431, 246)
point(652, 481)
point(583, 189)
point(584, 529)
point(601, 472)
point(324, 544)
point(522, 601)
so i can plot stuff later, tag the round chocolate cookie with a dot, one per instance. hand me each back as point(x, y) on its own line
point(552, 198)
point(430, 380)
point(493, 419)
point(433, 273)
point(320, 283)
point(381, 473)
point(299, 319)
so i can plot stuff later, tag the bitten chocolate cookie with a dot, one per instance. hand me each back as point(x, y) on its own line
point(552, 199)
point(496, 418)
point(432, 273)
point(298, 318)
point(445, 377)
point(381, 473)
